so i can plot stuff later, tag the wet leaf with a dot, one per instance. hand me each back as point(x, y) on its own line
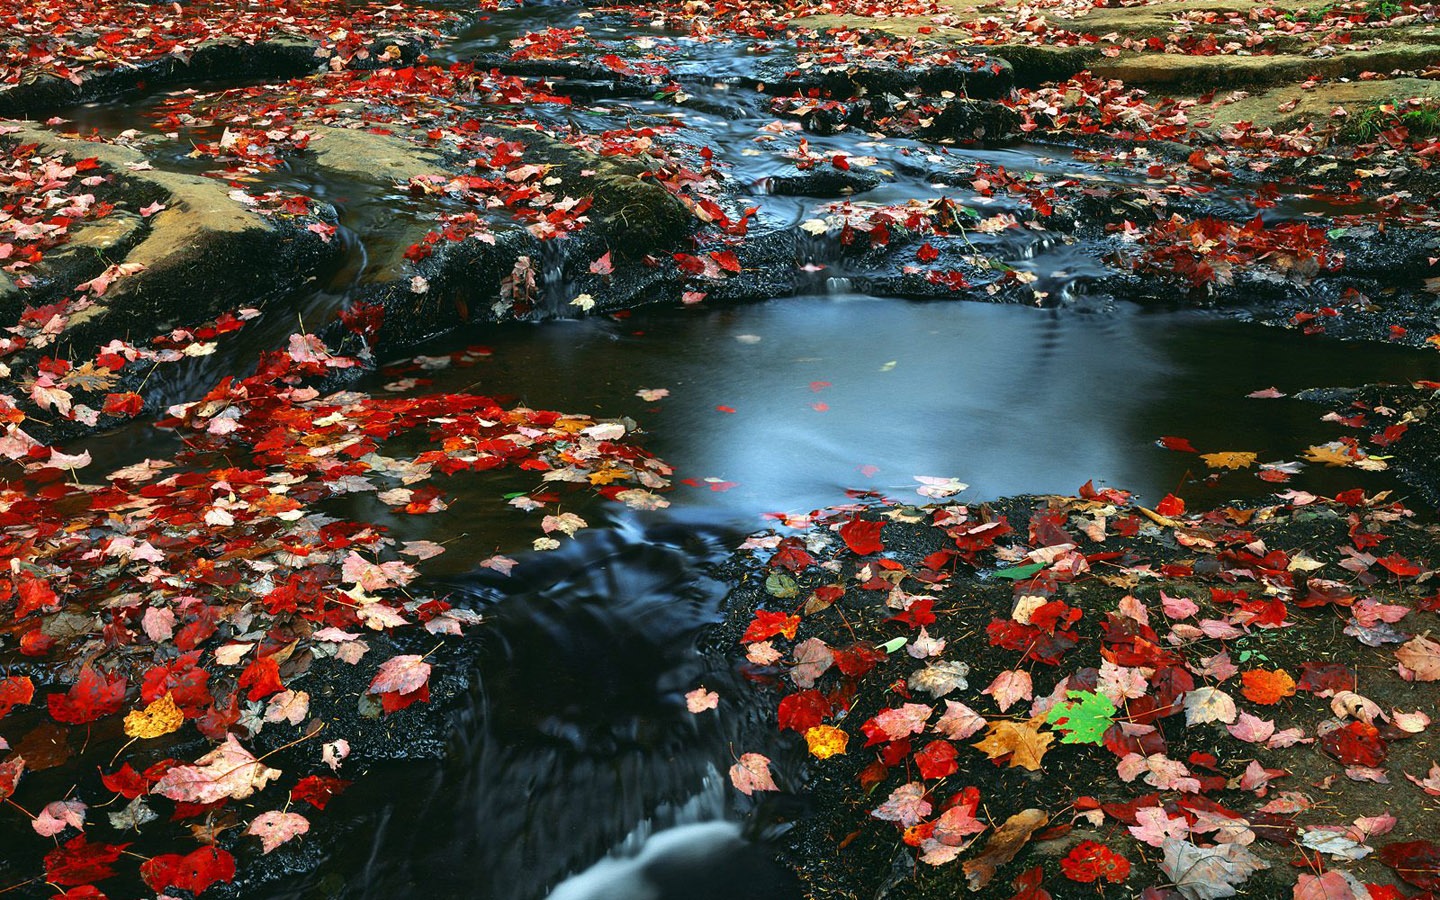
point(1008, 840)
point(1416, 862)
point(227, 772)
point(825, 741)
point(752, 773)
point(1229, 460)
point(1091, 861)
point(1266, 686)
point(195, 871)
point(275, 828)
point(159, 718)
point(1083, 719)
point(905, 806)
point(1020, 743)
point(1208, 873)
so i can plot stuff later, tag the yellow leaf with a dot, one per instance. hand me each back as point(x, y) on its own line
point(159, 718)
point(1329, 454)
point(1230, 459)
point(1023, 742)
point(826, 741)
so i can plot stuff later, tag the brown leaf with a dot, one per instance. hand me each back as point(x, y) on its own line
point(1007, 841)
point(1023, 742)
point(1229, 460)
point(1422, 657)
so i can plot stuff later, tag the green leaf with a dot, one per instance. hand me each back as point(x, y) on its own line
point(894, 644)
point(1018, 572)
point(778, 584)
point(1083, 719)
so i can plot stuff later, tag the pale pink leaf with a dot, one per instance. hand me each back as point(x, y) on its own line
point(699, 700)
point(400, 675)
point(1010, 687)
point(752, 773)
point(275, 828)
point(906, 805)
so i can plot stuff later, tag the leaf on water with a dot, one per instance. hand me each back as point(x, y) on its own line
point(752, 773)
point(905, 806)
point(229, 771)
point(275, 828)
point(1229, 459)
point(699, 700)
point(826, 741)
point(159, 718)
point(58, 816)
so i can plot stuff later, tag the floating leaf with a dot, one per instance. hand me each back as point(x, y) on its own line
point(159, 718)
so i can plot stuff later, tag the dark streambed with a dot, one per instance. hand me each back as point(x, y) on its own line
point(577, 745)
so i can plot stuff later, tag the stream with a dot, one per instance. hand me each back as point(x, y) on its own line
point(577, 772)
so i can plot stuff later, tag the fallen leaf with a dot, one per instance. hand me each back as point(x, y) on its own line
point(228, 771)
point(159, 718)
point(1002, 846)
point(1229, 460)
point(1021, 742)
point(275, 828)
point(752, 773)
point(1208, 873)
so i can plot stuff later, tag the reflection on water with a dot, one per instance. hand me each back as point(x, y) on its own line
point(848, 392)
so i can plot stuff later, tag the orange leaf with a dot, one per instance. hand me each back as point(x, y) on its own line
point(1267, 687)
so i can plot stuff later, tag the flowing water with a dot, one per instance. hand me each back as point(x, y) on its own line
point(577, 772)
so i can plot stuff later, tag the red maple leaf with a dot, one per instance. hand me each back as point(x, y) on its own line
point(93, 696)
point(262, 677)
point(802, 711)
point(1357, 744)
point(767, 624)
point(862, 537)
point(1091, 861)
point(918, 614)
point(1416, 862)
point(318, 790)
point(80, 862)
point(193, 872)
point(937, 760)
point(15, 691)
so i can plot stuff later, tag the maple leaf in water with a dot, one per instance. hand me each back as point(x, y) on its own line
point(227, 772)
point(752, 773)
point(825, 741)
point(93, 696)
point(1091, 861)
point(159, 718)
point(275, 828)
point(905, 806)
point(194, 872)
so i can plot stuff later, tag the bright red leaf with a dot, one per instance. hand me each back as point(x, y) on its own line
point(93, 696)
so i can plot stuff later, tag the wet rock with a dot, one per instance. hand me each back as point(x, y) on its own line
point(279, 58)
point(821, 181)
point(975, 77)
point(199, 254)
point(1415, 408)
